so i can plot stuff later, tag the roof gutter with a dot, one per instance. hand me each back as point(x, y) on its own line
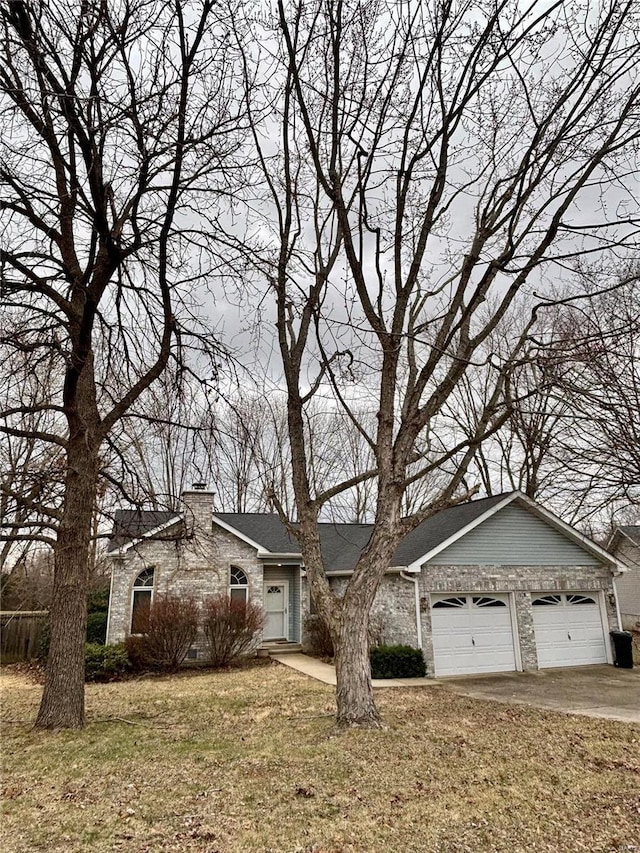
point(416, 589)
point(392, 570)
point(288, 556)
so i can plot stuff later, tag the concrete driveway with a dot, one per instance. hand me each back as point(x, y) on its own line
point(597, 691)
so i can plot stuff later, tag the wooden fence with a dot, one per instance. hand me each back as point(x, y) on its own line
point(20, 632)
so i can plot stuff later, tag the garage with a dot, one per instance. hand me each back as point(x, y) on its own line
point(472, 634)
point(568, 629)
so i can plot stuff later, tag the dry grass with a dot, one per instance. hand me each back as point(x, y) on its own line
point(247, 761)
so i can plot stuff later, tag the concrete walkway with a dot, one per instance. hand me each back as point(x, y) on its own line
point(326, 672)
point(592, 691)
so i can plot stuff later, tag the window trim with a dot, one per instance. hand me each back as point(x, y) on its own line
point(147, 588)
point(234, 585)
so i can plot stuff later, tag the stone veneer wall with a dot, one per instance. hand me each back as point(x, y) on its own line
point(520, 580)
point(196, 564)
point(394, 608)
point(395, 601)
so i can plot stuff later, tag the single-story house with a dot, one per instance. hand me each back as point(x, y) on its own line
point(492, 585)
point(625, 546)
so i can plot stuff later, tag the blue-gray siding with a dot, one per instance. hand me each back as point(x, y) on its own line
point(515, 537)
point(291, 574)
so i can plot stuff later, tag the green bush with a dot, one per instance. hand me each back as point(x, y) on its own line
point(98, 601)
point(45, 640)
point(105, 663)
point(397, 662)
point(97, 627)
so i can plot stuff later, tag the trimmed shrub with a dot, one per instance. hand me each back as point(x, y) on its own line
point(105, 663)
point(231, 628)
point(136, 646)
point(397, 662)
point(172, 628)
point(317, 636)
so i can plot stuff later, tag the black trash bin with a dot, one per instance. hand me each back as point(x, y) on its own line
point(623, 648)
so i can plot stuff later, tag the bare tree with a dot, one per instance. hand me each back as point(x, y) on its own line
point(525, 453)
point(571, 439)
point(431, 161)
point(595, 365)
point(31, 471)
point(118, 120)
point(158, 445)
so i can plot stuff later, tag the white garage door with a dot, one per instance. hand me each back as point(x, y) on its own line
point(472, 633)
point(568, 629)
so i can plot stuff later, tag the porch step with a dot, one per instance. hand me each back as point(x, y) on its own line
point(279, 648)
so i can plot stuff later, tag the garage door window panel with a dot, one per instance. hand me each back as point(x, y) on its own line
point(484, 601)
point(451, 602)
point(547, 601)
point(580, 599)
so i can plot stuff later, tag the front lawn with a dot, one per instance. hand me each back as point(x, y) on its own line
point(247, 761)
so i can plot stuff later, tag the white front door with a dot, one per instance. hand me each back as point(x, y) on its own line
point(276, 605)
point(472, 633)
point(568, 629)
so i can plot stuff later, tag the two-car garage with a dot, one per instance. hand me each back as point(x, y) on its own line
point(474, 632)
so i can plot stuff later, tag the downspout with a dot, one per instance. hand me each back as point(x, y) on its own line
point(615, 595)
point(414, 580)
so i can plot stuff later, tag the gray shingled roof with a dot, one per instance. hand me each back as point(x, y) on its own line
point(132, 524)
point(341, 544)
point(437, 529)
point(265, 528)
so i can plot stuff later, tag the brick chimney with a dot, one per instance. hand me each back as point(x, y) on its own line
point(198, 503)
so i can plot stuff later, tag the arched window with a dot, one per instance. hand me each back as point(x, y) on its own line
point(238, 585)
point(142, 593)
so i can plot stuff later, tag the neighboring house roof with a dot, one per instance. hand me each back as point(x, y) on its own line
point(631, 531)
point(132, 525)
point(342, 544)
point(626, 558)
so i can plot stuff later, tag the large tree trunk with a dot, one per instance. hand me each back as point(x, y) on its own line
point(348, 617)
point(62, 704)
point(354, 694)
